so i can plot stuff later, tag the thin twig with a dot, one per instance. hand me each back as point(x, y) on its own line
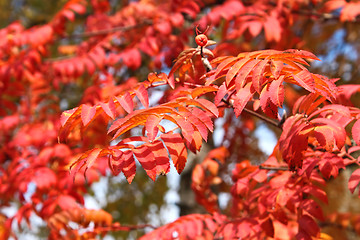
point(125, 227)
point(350, 157)
point(274, 168)
point(264, 118)
point(146, 22)
point(192, 84)
point(55, 59)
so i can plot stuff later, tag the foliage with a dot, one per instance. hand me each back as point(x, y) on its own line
point(105, 90)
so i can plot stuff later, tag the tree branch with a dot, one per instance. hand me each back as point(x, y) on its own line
point(262, 117)
point(146, 22)
point(127, 228)
point(284, 168)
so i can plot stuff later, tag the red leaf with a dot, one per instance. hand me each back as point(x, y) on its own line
point(195, 121)
point(272, 27)
point(268, 227)
point(276, 67)
point(316, 192)
point(151, 126)
point(92, 156)
point(87, 113)
point(109, 108)
point(176, 147)
point(90, 66)
point(224, 65)
point(161, 157)
point(267, 106)
point(87, 159)
point(186, 127)
point(129, 168)
point(277, 91)
point(68, 14)
point(220, 94)
point(131, 58)
point(116, 163)
point(196, 92)
point(147, 160)
point(305, 80)
point(66, 202)
point(242, 98)
point(44, 178)
point(285, 195)
point(98, 56)
point(204, 118)
point(257, 76)
point(207, 105)
point(354, 180)
point(314, 209)
point(235, 69)
point(324, 125)
point(142, 95)
point(78, 8)
point(66, 115)
point(126, 102)
point(355, 131)
point(242, 75)
point(309, 226)
point(302, 54)
point(196, 142)
point(302, 235)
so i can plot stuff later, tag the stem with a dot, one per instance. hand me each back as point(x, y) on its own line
point(125, 227)
point(193, 84)
point(354, 160)
point(273, 168)
point(264, 118)
point(146, 22)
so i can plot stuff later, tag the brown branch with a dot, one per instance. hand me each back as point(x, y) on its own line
point(337, 225)
point(264, 118)
point(258, 115)
point(284, 168)
point(55, 59)
point(146, 22)
point(96, 33)
point(192, 84)
point(119, 227)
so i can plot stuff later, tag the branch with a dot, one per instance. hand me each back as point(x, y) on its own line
point(284, 168)
point(262, 117)
point(127, 228)
point(55, 59)
point(146, 22)
point(337, 225)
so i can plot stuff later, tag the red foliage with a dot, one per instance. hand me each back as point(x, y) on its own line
point(117, 123)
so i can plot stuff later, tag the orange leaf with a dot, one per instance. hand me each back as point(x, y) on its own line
point(235, 69)
point(176, 147)
point(126, 102)
point(161, 157)
point(151, 126)
point(109, 108)
point(242, 97)
point(196, 92)
point(241, 78)
point(147, 160)
point(277, 91)
point(305, 80)
point(142, 95)
point(129, 168)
